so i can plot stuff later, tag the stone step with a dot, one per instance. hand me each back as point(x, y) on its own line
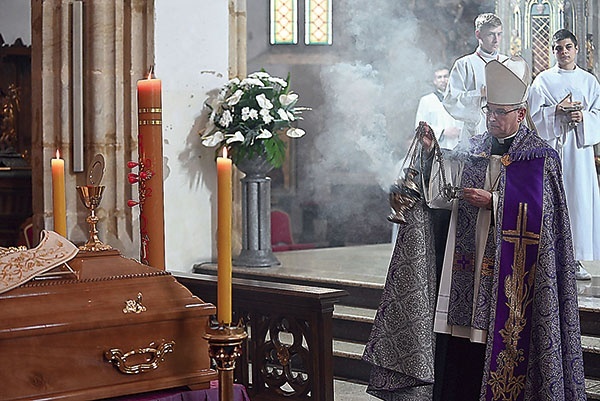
point(348, 363)
point(591, 356)
point(354, 313)
point(592, 389)
point(350, 391)
point(360, 294)
point(589, 316)
point(345, 390)
point(352, 323)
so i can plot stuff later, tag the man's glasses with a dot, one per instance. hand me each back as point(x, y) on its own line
point(497, 112)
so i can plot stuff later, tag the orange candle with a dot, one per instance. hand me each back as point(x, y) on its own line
point(150, 153)
point(224, 207)
point(59, 201)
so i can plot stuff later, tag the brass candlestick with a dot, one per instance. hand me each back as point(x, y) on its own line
point(90, 196)
point(224, 346)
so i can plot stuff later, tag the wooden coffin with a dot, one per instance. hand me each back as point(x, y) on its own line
point(118, 328)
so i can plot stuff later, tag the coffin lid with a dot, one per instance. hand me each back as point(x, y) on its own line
point(106, 282)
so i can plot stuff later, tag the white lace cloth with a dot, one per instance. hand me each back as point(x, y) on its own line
point(19, 265)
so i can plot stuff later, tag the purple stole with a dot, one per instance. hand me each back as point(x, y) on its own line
point(521, 224)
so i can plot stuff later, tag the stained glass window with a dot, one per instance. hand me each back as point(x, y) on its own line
point(540, 37)
point(317, 22)
point(284, 22)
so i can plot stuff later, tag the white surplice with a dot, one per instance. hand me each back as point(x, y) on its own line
point(575, 146)
point(484, 219)
point(463, 94)
point(432, 111)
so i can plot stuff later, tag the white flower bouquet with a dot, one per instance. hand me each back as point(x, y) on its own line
point(248, 116)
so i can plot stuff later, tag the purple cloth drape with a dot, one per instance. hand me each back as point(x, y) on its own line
point(182, 394)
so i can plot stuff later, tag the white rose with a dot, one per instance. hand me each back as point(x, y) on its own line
point(248, 113)
point(259, 74)
point(252, 81)
point(226, 119)
point(278, 81)
point(266, 116)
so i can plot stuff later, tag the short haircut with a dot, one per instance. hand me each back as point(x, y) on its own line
point(487, 20)
point(563, 34)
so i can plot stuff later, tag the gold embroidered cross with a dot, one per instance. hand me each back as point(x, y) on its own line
point(520, 236)
point(518, 288)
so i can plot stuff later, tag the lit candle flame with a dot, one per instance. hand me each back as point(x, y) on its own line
point(150, 72)
point(225, 152)
point(57, 154)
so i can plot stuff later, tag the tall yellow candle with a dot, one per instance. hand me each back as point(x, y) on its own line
point(59, 202)
point(224, 207)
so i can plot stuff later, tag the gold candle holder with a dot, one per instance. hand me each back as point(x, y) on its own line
point(224, 346)
point(90, 196)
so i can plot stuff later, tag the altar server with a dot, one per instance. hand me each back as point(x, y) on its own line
point(430, 109)
point(466, 91)
point(565, 107)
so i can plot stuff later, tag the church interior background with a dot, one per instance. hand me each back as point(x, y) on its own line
point(362, 82)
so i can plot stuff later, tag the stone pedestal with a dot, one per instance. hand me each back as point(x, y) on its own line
point(256, 215)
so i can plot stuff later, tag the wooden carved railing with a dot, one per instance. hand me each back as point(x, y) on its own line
point(289, 348)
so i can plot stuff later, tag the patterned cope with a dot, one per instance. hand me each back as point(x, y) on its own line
point(527, 296)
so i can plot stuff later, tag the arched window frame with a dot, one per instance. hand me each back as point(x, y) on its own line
point(284, 22)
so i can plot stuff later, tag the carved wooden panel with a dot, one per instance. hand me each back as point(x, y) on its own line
point(15, 96)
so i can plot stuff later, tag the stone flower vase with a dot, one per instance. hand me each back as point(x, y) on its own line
point(256, 214)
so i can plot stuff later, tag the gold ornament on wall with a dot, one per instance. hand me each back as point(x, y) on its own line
point(9, 104)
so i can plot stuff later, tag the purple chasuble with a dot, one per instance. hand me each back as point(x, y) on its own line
point(533, 345)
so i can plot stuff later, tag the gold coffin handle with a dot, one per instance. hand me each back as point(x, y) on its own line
point(155, 356)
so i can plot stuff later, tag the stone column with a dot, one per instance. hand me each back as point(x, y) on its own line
point(118, 42)
point(237, 68)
